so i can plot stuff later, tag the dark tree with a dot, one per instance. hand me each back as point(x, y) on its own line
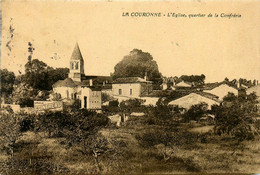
point(7, 82)
point(199, 79)
point(236, 117)
point(137, 64)
point(35, 74)
point(40, 76)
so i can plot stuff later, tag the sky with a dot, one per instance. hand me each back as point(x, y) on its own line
point(218, 47)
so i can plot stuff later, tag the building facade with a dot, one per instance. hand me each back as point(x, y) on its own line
point(131, 87)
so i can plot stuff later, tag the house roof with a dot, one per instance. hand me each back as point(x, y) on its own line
point(131, 80)
point(208, 95)
point(193, 98)
point(183, 84)
point(68, 82)
point(210, 86)
point(76, 54)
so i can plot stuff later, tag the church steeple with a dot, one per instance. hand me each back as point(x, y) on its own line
point(76, 64)
point(76, 54)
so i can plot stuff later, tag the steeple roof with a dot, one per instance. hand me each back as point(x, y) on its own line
point(76, 54)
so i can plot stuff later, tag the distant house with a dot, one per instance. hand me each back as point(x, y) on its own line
point(79, 86)
point(183, 84)
point(195, 98)
point(256, 90)
point(221, 89)
point(132, 87)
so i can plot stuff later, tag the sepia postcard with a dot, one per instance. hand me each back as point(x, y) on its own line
point(130, 87)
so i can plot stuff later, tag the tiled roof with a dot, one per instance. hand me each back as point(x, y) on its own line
point(76, 54)
point(131, 80)
point(208, 95)
point(210, 86)
point(68, 82)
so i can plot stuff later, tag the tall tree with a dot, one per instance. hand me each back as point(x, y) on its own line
point(237, 117)
point(7, 82)
point(40, 76)
point(137, 64)
point(36, 74)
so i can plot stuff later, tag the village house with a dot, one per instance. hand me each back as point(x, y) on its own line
point(132, 87)
point(183, 84)
point(195, 98)
point(255, 89)
point(221, 89)
point(87, 89)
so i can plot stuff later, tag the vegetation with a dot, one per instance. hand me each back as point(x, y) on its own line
point(237, 117)
point(138, 64)
point(7, 81)
point(152, 139)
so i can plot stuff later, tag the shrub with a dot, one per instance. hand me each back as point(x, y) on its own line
point(196, 112)
point(113, 103)
point(237, 118)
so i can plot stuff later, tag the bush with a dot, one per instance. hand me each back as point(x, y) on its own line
point(237, 119)
point(113, 103)
point(196, 112)
point(27, 123)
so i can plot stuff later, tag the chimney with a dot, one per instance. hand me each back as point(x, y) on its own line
point(90, 82)
point(238, 84)
point(145, 76)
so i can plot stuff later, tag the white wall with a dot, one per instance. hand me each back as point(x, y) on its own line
point(192, 99)
point(63, 91)
point(136, 89)
point(93, 98)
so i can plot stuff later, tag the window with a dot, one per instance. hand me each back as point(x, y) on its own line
point(131, 91)
point(76, 65)
point(67, 94)
point(72, 65)
point(120, 91)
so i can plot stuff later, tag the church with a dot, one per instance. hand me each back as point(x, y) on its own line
point(87, 89)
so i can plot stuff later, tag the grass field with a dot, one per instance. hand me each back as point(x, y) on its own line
point(209, 154)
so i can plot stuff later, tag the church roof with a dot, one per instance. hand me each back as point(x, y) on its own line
point(68, 82)
point(76, 54)
point(131, 80)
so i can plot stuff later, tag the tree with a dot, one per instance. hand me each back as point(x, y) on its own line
point(35, 74)
point(24, 94)
point(53, 75)
point(96, 145)
point(199, 79)
point(137, 64)
point(9, 131)
point(196, 112)
point(236, 117)
point(7, 81)
point(42, 77)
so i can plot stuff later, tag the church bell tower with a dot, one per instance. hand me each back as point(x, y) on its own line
point(76, 65)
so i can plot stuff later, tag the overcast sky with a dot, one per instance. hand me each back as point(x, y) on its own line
point(217, 47)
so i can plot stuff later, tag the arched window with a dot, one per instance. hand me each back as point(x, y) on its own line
point(76, 65)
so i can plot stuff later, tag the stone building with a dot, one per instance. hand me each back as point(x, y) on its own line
point(87, 89)
point(131, 87)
